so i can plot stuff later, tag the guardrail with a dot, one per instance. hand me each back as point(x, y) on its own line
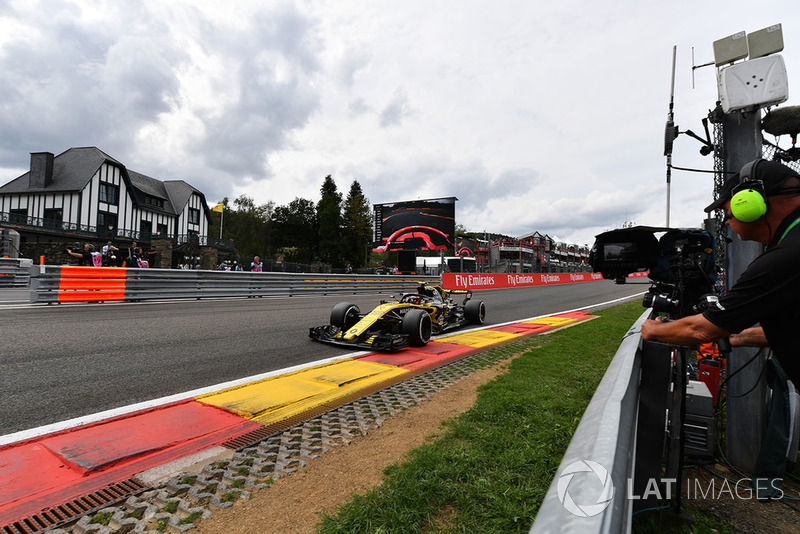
point(51, 284)
point(604, 440)
point(15, 272)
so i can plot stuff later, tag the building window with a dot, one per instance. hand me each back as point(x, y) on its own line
point(194, 216)
point(18, 216)
point(145, 230)
point(109, 193)
point(106, 223)
point(53, 217)
point(161, 229)
point(155, 201)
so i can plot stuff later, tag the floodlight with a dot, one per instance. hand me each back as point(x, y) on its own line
point(765, 42)
point(729, 49)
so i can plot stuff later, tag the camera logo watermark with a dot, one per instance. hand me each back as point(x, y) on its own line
point(592, 469)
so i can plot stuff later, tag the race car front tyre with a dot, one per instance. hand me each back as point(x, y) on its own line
point(475, 311)
point(344, 315)
point(417, 326)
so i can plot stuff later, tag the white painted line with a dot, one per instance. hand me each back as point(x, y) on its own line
point(154, 403)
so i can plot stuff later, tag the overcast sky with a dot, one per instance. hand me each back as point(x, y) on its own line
point(543, 116)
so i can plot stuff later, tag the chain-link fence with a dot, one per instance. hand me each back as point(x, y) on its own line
point(771, 150)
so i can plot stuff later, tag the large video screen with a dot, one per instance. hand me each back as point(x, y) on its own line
point(415, 225)
point(465, 247)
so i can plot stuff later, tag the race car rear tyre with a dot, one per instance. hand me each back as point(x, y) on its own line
point(475, 311)
point(417, 326)
point(344, 315)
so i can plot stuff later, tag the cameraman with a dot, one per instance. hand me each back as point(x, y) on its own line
point(86, 257)
point(768, 291)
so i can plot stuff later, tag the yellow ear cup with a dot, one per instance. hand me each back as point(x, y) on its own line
point(748, 205)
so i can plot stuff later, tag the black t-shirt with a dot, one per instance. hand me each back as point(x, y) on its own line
point(768, 292)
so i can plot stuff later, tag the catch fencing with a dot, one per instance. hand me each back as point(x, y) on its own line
point(55, 284)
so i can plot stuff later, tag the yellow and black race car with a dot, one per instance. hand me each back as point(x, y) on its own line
point(394, 324)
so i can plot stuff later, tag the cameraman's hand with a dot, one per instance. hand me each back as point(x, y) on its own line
point(749, 337)
point(690, 330)
point(650, 328)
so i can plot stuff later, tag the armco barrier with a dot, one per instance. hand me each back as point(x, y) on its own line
point(51, 284)
point(14, 272)
point(605, 437)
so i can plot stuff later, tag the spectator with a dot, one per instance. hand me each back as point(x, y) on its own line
point(109, 256)
point(140, 261)
point(88, 257)
point(256, 266)
point(133, 256)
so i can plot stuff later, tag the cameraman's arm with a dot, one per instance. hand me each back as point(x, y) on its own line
point(691, 330)
point(750, 337)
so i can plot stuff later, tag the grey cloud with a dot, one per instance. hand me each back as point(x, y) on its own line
point(395, 111)
point(271, 104)
point(358, 107)
point(79, 84)
point(72, 85)
point(347, 67)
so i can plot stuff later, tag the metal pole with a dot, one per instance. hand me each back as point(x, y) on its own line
point(746, 414)
point(671, 131)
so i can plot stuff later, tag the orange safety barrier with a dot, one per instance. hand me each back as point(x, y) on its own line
point(93, 272)
point(85, 284)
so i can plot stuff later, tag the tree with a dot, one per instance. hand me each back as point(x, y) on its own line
point(294, 228)
point(329, 218)
point(247, 224)
point(357, 226)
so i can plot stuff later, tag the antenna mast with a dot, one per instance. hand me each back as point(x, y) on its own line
point(671, 131)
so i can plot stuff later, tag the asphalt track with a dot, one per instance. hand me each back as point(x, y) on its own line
point(73, 361)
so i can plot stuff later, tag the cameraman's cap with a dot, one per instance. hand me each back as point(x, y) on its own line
point(771, 173)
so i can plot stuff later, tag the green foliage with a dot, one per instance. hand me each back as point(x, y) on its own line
point(102, 518)
point(295, 230)
point(170, 507)
point(249, 226)
point(331, 231)
point(329, 216)
point(191, 518)
point(357, 226)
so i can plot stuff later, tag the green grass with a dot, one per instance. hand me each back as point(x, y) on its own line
point(491, 468)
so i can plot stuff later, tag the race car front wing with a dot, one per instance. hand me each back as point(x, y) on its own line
point(383, 341)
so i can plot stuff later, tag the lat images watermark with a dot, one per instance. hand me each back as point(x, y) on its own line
point(593, 483)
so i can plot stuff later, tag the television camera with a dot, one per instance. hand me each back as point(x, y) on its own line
point(680, 265)
point(676, 413)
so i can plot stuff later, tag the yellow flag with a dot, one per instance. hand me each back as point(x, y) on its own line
point(217, 208)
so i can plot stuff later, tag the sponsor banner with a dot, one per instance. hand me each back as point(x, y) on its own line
point(506, 280)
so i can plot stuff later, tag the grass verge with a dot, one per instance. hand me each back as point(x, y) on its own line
point(491, 467)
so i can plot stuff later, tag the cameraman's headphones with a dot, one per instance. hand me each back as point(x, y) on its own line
point(748, 201)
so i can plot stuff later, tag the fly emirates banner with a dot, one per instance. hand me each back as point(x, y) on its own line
point(506, 280)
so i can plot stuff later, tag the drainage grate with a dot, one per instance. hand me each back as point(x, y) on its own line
point(74, 509)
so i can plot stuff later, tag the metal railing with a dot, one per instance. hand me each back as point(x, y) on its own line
point(84, 230)
point(606, 436)
point(15, 272)
point(47, 284)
